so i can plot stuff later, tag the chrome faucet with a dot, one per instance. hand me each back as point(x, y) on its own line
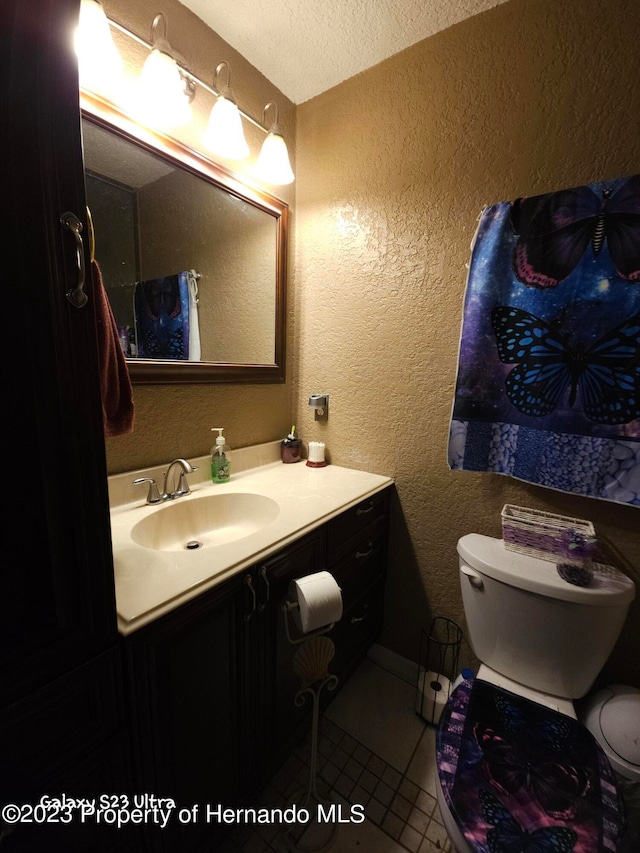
point(154, 496)
point(182, 487)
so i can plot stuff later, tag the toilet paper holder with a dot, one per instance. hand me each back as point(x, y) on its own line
point(438, 659)
point(314, 603)
point(287, 608)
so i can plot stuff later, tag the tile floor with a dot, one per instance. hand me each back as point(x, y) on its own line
point(374, 751)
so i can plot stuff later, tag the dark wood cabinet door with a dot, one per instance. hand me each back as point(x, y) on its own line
point(183, 685)
point(56, 596)
point(66, 738)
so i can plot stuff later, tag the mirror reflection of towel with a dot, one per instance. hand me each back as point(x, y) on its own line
point(166, 317)
point(115, 383)
point(194, 325)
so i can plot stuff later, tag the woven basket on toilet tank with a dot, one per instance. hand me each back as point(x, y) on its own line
point(540, 534)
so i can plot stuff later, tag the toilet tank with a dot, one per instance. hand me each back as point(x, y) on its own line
point(527, 623)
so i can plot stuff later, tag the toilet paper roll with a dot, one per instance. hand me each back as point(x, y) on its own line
point(433, 691)
point(319, 601)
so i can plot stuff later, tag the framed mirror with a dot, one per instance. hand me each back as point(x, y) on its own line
point(192, 259)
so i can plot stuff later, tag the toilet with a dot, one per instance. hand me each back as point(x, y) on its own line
point(516, 769)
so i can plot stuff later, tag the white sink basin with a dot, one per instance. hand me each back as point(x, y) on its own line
point(204, 521)
point(231, 526)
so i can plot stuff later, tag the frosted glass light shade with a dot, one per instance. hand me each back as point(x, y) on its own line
point(224, 135)
point(99, 63)
point(273, 164)
point(160, 100)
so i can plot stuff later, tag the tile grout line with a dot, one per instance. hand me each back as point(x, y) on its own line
point(393, 810)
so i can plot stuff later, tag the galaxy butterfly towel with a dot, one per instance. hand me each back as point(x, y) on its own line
point(548, 385)
point(162, 317)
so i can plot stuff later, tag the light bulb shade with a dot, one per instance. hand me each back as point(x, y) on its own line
point(160, 99)
point(99, 63)
point(224, 135)
point(273, 164)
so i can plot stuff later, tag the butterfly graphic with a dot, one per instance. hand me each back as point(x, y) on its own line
point(163, 343)
point(607, 373)
point(555, 230)
point(552, 732)
point(507, 836)
point(513, 762)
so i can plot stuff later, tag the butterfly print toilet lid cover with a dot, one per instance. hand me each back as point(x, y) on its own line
point(521, 777)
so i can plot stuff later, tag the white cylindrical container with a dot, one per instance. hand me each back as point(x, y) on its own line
point(612, 716)
point(316, 455)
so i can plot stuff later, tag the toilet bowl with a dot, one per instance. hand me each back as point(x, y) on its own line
point(516, 769)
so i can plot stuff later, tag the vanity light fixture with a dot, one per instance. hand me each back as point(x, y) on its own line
point(273, 164)
point(224, 135)
point(162, 96)
point(166, 88)
point(99, 63)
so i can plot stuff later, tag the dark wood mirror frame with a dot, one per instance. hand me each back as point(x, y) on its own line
point(161, 372)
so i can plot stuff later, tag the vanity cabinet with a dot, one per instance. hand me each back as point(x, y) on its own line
point(211, 684)
point(61, 700)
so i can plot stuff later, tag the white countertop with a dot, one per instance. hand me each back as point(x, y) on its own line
point(150, 583)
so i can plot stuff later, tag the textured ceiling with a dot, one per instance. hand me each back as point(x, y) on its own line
point(306, 46)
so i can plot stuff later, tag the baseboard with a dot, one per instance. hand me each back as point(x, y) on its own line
point(405, 669)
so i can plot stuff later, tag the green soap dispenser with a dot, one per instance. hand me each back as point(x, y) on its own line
point(220, 459)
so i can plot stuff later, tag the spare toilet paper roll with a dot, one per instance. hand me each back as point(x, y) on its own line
point(433, 691)
point(319, 601)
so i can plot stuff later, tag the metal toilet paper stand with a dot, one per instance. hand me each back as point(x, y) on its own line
point(437, 667)
point(287, 608)
point(311, 665)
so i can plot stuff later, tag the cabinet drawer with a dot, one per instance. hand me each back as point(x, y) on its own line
point(362, 565)
point(357, 630)
point(348, 528)
point(302, 558)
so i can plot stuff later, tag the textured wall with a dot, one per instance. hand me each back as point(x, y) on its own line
point(394, 167)
point(175, 420)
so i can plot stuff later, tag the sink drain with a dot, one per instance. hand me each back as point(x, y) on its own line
point(193, 545)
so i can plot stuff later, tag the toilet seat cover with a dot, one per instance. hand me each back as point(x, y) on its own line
point(519, 776)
